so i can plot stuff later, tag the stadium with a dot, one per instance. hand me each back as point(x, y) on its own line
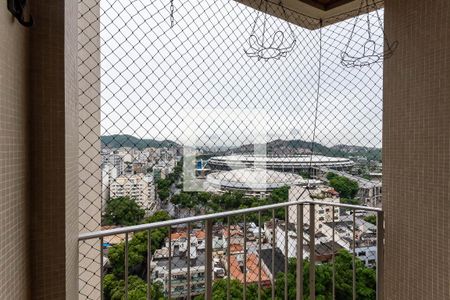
point(294, 164)
point(252, 181)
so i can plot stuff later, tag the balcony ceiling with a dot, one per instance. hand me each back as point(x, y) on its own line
point(325, 4)
point(330, 11)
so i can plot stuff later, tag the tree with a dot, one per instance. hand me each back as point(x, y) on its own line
point(346, 188)
point(279, 195)
point(350, 201)
point(158, 216)
point(219, 291)
point(163, 187)
point(114, 289)
point(305, 174)
point(137, 248)
point(365, 282)
point(331, 175)
point(371, 219)
point(122, 211)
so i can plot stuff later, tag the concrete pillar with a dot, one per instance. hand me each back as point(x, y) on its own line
point(416, 150)
point(54, 149)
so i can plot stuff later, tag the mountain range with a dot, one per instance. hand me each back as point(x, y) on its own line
point(125, 140)
point(276, 147)
point(299, 147)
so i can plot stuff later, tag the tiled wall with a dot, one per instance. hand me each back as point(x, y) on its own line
point(14, 253)
point(89, 145)
point(416, 150)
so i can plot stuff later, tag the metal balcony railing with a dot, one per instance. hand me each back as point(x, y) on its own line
point(261, 250)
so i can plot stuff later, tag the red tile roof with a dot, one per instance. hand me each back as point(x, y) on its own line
point(252, 274)
point(177, 235)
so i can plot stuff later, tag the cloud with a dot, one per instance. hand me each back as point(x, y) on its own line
point(156, 78)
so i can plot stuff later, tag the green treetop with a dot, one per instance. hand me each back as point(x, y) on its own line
point(122, 211)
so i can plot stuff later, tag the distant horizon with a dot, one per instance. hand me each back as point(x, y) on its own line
point(235, 146)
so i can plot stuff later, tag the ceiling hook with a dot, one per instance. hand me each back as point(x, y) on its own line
point(17, 8)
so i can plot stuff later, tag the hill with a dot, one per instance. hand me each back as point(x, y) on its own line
point(124, 140)
point(298, 147)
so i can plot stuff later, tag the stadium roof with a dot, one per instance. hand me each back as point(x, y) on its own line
point(253, 179)
point(279, 162)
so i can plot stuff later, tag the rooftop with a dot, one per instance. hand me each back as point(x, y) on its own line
point(252, 269)
point(180, 261)
point(266, 257)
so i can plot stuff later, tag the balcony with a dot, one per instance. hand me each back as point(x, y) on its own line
point(213, 114)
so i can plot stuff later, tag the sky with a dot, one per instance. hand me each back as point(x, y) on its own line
point(193, 83)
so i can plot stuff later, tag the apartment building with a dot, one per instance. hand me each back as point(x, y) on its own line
point(181, 264)
point(320, 193)
point(140, 187)
point(369, 192)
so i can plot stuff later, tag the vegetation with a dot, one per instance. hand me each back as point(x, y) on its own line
point(346, 188)
point(114, 284)
point(365, 282)
point(219, 291)
point(305, 175)
point(350, 201)
point(137, 259)
point(273, 147)
point(137, 248)
point(214, 203)
point(122, 211)
point(114, 288)
point(164, 185)
point(371, 219)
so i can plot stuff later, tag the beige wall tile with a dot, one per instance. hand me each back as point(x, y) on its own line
point(416, 150)
point(14, 246)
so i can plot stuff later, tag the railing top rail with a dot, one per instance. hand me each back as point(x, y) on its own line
point(194, 219)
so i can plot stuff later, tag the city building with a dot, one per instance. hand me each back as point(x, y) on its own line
point(139, 187)
point(249, 272)
point(109, 175)
point(179, 263)
point(115, 160)
point(369, 191)
point(163, 168)
point(234, 234)
point(365, 244)
point(320, 193)
point(272, 261)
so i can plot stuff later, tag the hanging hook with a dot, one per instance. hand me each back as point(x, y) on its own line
point(370, 55)
point(265, 46)
point(17, 7)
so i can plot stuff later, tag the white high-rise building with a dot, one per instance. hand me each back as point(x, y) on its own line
point(323, 214)
point(140, 187)
point(114, 159)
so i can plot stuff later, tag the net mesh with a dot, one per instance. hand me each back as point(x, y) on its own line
point(161, 79)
